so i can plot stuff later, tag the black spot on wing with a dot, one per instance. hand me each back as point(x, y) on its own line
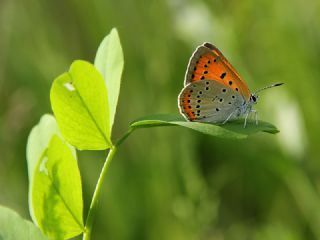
point(223, 75)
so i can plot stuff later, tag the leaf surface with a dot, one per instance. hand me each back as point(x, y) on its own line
point(233, 130)
point(13, 227)
point(109, 61)
point(57, 193)
point(79, 101)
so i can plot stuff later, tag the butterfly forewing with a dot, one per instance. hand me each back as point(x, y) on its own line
point(207, 62)
point(209, 101)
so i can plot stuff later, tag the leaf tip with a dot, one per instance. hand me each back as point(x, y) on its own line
point(114, 30)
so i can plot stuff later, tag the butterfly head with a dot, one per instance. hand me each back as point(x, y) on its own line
point(253, 99)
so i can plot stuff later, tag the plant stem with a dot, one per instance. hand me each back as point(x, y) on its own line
point(97, 191)
point(96, 194)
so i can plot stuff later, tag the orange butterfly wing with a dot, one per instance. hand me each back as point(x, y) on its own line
point(185, 102)
point(207, 62)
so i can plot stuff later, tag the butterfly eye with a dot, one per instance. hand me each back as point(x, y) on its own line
point(254, 99)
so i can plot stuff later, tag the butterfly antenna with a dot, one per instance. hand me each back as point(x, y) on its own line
point(270, 86)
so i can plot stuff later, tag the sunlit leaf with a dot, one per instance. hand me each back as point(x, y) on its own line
point(233, 129)
point(13, 227)
point(57, 193)
point(79, 101)
point(109, 61)
point(38, 141)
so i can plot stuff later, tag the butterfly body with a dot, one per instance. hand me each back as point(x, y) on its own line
point(213, 90)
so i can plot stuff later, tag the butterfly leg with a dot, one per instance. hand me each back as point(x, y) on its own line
point(245, 119)
point(230, 116)
point(255, 112)
point(255, 115)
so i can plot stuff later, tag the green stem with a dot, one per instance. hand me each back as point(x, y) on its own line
point(97, 191)
point(96, 194)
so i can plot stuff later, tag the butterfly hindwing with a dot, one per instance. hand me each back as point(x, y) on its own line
point(207, 62)
point(209, 101)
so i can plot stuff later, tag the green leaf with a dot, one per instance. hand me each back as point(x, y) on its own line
point(57, 193)
point(13, 227)
point(79, 101)
point(232, 129)
point(38, 141)
point(109, 61)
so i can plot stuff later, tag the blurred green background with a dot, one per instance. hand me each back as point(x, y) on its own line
point(173, 183)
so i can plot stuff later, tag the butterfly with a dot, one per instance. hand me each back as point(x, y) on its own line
point(214, 91)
